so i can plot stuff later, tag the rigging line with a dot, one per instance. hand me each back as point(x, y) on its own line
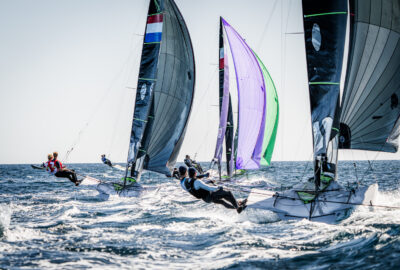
point(97, 107)
point(306, 167)
point(283, 66)
point(202, 99)
point(275, 194)
point(267, 24)
point(371, 163)
point(116, 123)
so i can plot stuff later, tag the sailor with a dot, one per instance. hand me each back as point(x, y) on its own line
point(179, 174)
point(49, 164)
point(192, 163)
point(106, 160)
point(63, 172)
point(207, 193)
point(175, 173)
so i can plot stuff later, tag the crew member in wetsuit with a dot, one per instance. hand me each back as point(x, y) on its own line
point(192, 163)
point(208, 193)
point(175, 173)
point(106, 160)
point(63, 172)
point(49, 164)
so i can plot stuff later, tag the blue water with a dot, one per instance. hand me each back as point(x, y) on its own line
point(48, 223)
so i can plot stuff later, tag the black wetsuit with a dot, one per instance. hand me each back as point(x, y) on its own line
point(175, 174)
point(218, 196)
point(194, 164)
point(71, 175)
point(106, 161)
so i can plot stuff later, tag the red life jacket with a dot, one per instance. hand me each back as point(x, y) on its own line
point(50, 166)
point(54, 162)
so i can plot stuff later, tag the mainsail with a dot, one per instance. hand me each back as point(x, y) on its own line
point(225, 130)
point(271, 115)
point(370, 107)
point(324, 32)
point(165, 91)
point(251, 101)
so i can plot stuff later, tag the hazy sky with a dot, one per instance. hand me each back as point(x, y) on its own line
point(67, 69)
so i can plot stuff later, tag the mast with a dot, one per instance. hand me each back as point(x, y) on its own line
point(324, 33)
point(225, 130)
point(165, 91)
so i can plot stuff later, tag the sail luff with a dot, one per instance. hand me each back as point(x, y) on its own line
point(223, 95)
point(147, 78)
point(251, 101)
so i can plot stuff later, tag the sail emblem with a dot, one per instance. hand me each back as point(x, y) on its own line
point(143, 91)
point(316, 37)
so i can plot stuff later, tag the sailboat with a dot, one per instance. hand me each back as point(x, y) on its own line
point(368, 118)
point(164, 96)
point(254, 140)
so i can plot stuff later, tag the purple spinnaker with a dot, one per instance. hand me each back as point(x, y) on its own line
point(251, 99)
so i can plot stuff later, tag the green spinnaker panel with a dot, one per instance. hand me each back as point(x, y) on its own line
point(272, 115)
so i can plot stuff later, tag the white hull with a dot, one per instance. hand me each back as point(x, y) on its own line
point(112, 189)
point(133, 190)
point(331, 206)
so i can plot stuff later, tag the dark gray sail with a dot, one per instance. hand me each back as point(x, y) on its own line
point(162, 122)
point(370, 107)
point(324, 32)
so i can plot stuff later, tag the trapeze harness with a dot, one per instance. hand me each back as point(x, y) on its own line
point(188, 185)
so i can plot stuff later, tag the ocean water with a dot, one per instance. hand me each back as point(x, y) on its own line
point(48, 223)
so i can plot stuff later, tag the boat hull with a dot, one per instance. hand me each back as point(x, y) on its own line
point(331, 206)
point(114, 189)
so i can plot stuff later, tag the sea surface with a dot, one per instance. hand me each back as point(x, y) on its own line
point(48, 223)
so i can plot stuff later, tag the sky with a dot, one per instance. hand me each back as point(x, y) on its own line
point(68, 72)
